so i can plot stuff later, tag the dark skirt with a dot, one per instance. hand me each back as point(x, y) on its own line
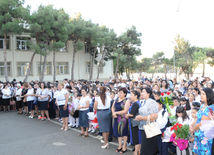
point(149, 146)
point(24, 104)
point(120, 127)
point(104, 120)
point(31, 106)
point(43, 105)
point(76, 114)
point(62, 112)
point(135, 134)
point(54, 105)
point(83, 119)
point(6, 102)
point(19, 104)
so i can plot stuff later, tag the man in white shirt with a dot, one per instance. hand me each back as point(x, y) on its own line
point(65, 81)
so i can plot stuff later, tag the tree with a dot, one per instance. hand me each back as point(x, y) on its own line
point(94, 38)
point(12, 18)
point(76, 33)
point(145, 64)
point(199, 57)
point(157, 59)
point(167, 65)
point(128, 44)
point(49, 30)
point(183, 55)
point(107, 48)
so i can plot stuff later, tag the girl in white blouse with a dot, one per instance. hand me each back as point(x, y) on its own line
point(18, 98)
point(6, 98)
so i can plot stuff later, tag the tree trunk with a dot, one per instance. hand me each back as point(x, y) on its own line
point(43, 68)
point(54, 66)
point(30, 66)
point(100, 63)
point(92, 64)
point(203, 69)
point(73, 63)
point(5, 58)
point(115, 75)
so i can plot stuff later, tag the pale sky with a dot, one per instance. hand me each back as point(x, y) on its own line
point(157, 20)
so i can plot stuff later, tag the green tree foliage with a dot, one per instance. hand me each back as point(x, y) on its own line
point(12, 21)
point(128, 44)
point(199, 57)
point(76, 34)
point(51, 28)
point(157, 60)
point(145, 64)
point(183, 55)
point(167, 65)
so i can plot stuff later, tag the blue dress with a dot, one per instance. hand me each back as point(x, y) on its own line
point(201, 145)
point(120, 124)
point(135, 133)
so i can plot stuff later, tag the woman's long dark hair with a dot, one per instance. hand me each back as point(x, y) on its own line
point(166, 84)
point(102, 94)
point(181, 109)
point(210, 96)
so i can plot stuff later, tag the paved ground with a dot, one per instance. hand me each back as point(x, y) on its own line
point(20, 135)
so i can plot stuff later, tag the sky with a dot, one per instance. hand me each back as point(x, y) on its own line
point(159, 21)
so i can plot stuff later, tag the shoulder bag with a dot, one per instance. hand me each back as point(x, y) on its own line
point(151, 129)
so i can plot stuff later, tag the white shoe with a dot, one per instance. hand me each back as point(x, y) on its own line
point(39, 116)
point(105, 146)
point(89, 130)
point(101, 137)
point(102, 141)
point(93, 130)
point(69, 125)
point(29, 117)
point(128, 144)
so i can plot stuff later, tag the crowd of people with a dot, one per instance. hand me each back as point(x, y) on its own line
point(122, 108)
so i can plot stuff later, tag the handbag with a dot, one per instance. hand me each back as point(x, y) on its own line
point(151, 129)
point(134, 122)
point(72, 111)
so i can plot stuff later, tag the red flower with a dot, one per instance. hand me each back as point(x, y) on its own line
point(172, 128)
point(168, 93)
point(176, 124)
point(162, 134)
point(176, 128)
point(162, 94)
point(174, 135)
point(180, 125)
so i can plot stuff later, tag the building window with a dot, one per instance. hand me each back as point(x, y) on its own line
point(2, 42)
point(22, 68)
point(47, 68)
point(88, 67)
point(22, 43)
point(86, 48)
point(62, 68)
point(2, 69)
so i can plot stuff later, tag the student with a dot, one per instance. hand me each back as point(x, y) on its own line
point(162, 121)
point(182, 118)
point(197, 96)
point(75, 119)
point(192, 119)
point(157, 95)
point(185, 103)
point(191, 97)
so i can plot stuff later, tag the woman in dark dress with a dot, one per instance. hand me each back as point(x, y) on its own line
point(120, 124)
point(24, 99)
point(135, 135)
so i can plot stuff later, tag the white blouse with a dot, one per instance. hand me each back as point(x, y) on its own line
point(60, 97)
point(83, 101)
point(100, 103)
point(6, 92)
point(30, 92)
point(18, 92)
point(42, 93)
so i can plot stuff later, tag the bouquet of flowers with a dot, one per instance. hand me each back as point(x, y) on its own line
point(166, 99)
point(181, 135)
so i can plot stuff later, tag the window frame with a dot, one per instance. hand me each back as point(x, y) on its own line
point(8, 44)
point(61, 68)
point(41, 67)
point(22, 69)
point(2, 66)
point(22, 39)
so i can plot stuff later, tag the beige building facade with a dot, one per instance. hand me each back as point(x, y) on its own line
point(19, 56)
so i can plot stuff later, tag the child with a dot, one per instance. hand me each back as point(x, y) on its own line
point(91, 102)
point(191, 97)
point(92, 97)
point(112, 96)
point(162, 121)
point(193, 114)
point(157, 95)
point(185, 103)
point(75, 117)
point(182, 118)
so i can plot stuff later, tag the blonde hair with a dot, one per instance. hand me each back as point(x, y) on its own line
point(61, 83)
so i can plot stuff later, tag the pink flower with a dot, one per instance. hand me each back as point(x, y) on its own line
point(204, 141)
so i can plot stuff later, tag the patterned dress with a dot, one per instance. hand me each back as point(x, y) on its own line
point(201, 145)
point(120, 124)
